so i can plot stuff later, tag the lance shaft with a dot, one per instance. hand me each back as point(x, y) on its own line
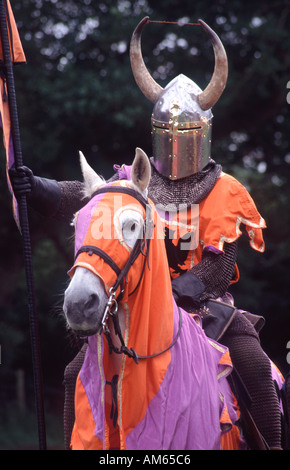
point(24, 226)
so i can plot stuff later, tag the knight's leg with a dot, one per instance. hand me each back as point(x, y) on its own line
point(255, 370)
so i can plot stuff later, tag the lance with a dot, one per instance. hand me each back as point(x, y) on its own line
point(24, 227)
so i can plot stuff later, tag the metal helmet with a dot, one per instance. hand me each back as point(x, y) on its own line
point(182, 118)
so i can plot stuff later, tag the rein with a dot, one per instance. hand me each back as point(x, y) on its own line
point(140, 247)
point(131, 352)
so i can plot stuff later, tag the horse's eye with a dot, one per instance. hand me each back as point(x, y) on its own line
point(131, 224)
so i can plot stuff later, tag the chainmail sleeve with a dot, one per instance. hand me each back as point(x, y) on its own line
point(72, 199)
point(216, 271)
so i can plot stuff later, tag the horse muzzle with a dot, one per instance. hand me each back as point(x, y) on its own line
point(84, 303)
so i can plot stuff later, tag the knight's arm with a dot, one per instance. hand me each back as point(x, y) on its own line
point(216, 271)
point(209, 279)
point(50, 198)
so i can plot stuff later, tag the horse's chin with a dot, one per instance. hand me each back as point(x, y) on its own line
point(84, 333)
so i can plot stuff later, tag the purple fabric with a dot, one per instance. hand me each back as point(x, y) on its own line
point(185, 413)
point(92, 382)
point(124, 171)
point(212, 249)
point(84, 218)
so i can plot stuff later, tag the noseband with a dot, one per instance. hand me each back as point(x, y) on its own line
point(141, 246)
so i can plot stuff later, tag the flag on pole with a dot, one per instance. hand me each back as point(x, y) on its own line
point(12, 52)
point(17, 56)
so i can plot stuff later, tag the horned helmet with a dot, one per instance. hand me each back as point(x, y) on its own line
point(182, 118)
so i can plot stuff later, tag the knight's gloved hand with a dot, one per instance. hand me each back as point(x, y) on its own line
point(44, 195)
point(187, 289)
point(21, 180)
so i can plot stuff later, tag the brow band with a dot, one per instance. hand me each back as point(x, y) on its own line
point(90, 249)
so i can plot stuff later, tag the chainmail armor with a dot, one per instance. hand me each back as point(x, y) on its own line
point(216, 271)
point(190, 190)
point(246, 353)
point(72, 199)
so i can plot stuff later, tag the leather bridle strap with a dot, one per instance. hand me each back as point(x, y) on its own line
point(91, 249)
point(121, 274)
point(131, 352)
point(122, 190)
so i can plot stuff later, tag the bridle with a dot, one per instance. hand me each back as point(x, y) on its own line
point(141, 246)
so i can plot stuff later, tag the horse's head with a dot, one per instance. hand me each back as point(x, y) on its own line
point(110, 235)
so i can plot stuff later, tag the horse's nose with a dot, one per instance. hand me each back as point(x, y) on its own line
point(91, 305)
point(77, 307)
point(84, 300)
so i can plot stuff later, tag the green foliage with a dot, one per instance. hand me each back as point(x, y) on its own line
point(77, 92)
point(18, 430)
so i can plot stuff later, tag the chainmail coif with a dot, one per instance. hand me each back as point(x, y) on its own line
point(190, 190)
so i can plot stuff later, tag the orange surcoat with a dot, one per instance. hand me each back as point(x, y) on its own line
point(216, 220)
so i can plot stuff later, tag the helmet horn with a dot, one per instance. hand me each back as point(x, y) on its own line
point(143, 78)
point(216, 86)
point(150, 87)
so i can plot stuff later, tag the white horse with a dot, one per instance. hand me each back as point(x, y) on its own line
point(151, 379)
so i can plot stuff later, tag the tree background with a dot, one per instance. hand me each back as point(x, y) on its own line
point(76, 93)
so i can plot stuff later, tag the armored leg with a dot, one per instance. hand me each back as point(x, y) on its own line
point(255, 370)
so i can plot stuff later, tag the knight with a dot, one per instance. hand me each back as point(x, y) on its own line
point(184, 173)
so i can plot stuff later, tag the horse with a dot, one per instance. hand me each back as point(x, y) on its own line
point(151, 378)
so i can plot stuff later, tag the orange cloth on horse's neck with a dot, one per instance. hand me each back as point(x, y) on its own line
point(149, 315)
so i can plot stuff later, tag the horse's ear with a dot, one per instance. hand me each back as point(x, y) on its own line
point(141, 170)
point(91, 179)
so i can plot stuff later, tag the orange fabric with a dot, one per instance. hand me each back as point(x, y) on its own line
point(279, 373)
point(230, 435)
point(226, 359)
point(17, 53)
point(221, 214)
point(139, 382)
point(231, 440)
point(225, 419)
point(5, 114)
point(83, 436)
